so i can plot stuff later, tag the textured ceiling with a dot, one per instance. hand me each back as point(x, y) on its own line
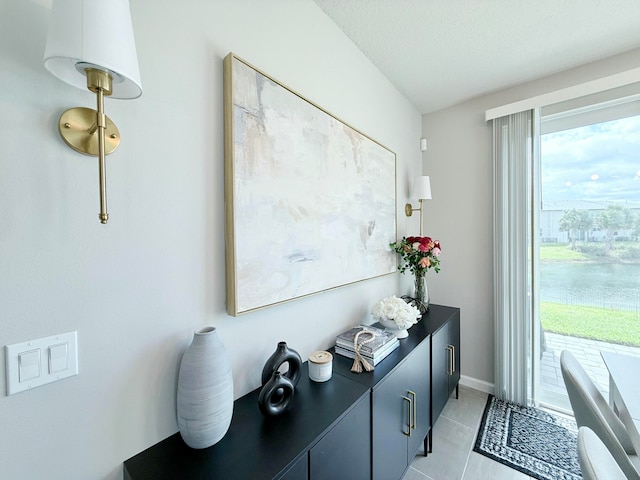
point(442, 52)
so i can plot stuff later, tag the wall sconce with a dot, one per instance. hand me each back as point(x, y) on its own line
point(422, 191)
point(91, 45)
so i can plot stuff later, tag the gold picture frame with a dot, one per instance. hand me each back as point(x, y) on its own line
point(310, 202)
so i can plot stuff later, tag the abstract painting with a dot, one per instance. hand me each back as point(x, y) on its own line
point(310, 202)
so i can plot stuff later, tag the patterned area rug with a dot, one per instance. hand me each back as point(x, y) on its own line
point(530, 440)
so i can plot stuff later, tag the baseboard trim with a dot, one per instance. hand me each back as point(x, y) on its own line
point(481, 385)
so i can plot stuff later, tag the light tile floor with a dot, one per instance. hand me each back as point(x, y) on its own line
point(454, 436)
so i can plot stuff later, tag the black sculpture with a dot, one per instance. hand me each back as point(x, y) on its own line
point(278, 388)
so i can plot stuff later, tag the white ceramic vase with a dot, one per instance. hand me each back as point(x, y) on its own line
point(205, 390)
point(391, 326)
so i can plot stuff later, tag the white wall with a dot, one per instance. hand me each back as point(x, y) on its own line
point(137, 288)
point(459, 162)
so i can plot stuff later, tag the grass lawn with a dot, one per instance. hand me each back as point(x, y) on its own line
point(602, 324)
point(560, 251)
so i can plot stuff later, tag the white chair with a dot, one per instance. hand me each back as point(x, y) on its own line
point(595, 460)
point(590, 409)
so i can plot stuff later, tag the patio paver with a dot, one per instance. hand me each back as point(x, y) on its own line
point(587, 352)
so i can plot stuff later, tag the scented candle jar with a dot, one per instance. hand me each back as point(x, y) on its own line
point(320, 366)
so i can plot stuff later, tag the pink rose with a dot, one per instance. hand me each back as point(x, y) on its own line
point(436, 251)
point(424, 262)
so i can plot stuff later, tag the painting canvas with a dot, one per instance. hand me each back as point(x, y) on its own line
point(310, 202)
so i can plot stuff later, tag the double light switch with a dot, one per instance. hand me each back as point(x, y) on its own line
point(41, 361)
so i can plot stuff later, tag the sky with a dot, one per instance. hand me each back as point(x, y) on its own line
point(597, 163)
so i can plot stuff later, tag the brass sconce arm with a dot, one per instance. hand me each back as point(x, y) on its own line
point(91, 132)
point(408, 210)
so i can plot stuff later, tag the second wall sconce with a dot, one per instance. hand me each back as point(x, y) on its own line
point(91, 45)
point(422, 191)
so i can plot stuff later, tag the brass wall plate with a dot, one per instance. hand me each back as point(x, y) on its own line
point(78, 128)
point(408, 209)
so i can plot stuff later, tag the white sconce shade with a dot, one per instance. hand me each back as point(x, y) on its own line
point(421, 188)
point(93, 34)
point(422, 191)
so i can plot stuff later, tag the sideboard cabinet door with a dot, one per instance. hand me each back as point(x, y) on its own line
point(345, 452)
point(401, 415)
point(441, 357)
point(445, 363)
point(298, 471)
point(420, 393)
point(390, 427)
point(454, 342)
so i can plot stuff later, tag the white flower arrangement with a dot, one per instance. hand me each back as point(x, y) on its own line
point(396, 310)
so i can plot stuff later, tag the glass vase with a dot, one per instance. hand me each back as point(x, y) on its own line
point(420, 291)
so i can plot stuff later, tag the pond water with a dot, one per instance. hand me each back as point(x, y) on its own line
point(605, 285)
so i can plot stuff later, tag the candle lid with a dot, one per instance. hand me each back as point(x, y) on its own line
point(320, 357)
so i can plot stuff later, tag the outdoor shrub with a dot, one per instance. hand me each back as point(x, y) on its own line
point(591, 249)
point(628, 252)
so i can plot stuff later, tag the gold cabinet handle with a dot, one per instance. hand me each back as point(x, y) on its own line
point(448, 369)
point(408, 416)
point(453, 359)
point(414, 421)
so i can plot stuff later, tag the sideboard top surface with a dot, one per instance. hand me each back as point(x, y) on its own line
point(435, 318)
point(258, 447)
point(255, 446)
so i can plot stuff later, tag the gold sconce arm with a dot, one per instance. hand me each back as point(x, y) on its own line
point(91, 132)
point(102, 125)
point(408, 210)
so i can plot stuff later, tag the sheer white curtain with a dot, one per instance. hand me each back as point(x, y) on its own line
point(513, 142)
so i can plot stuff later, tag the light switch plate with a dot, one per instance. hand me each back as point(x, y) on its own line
point(57, 357)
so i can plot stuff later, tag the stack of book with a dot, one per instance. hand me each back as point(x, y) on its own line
point(374, 351)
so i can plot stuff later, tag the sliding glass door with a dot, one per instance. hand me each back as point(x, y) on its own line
point(587, 258)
